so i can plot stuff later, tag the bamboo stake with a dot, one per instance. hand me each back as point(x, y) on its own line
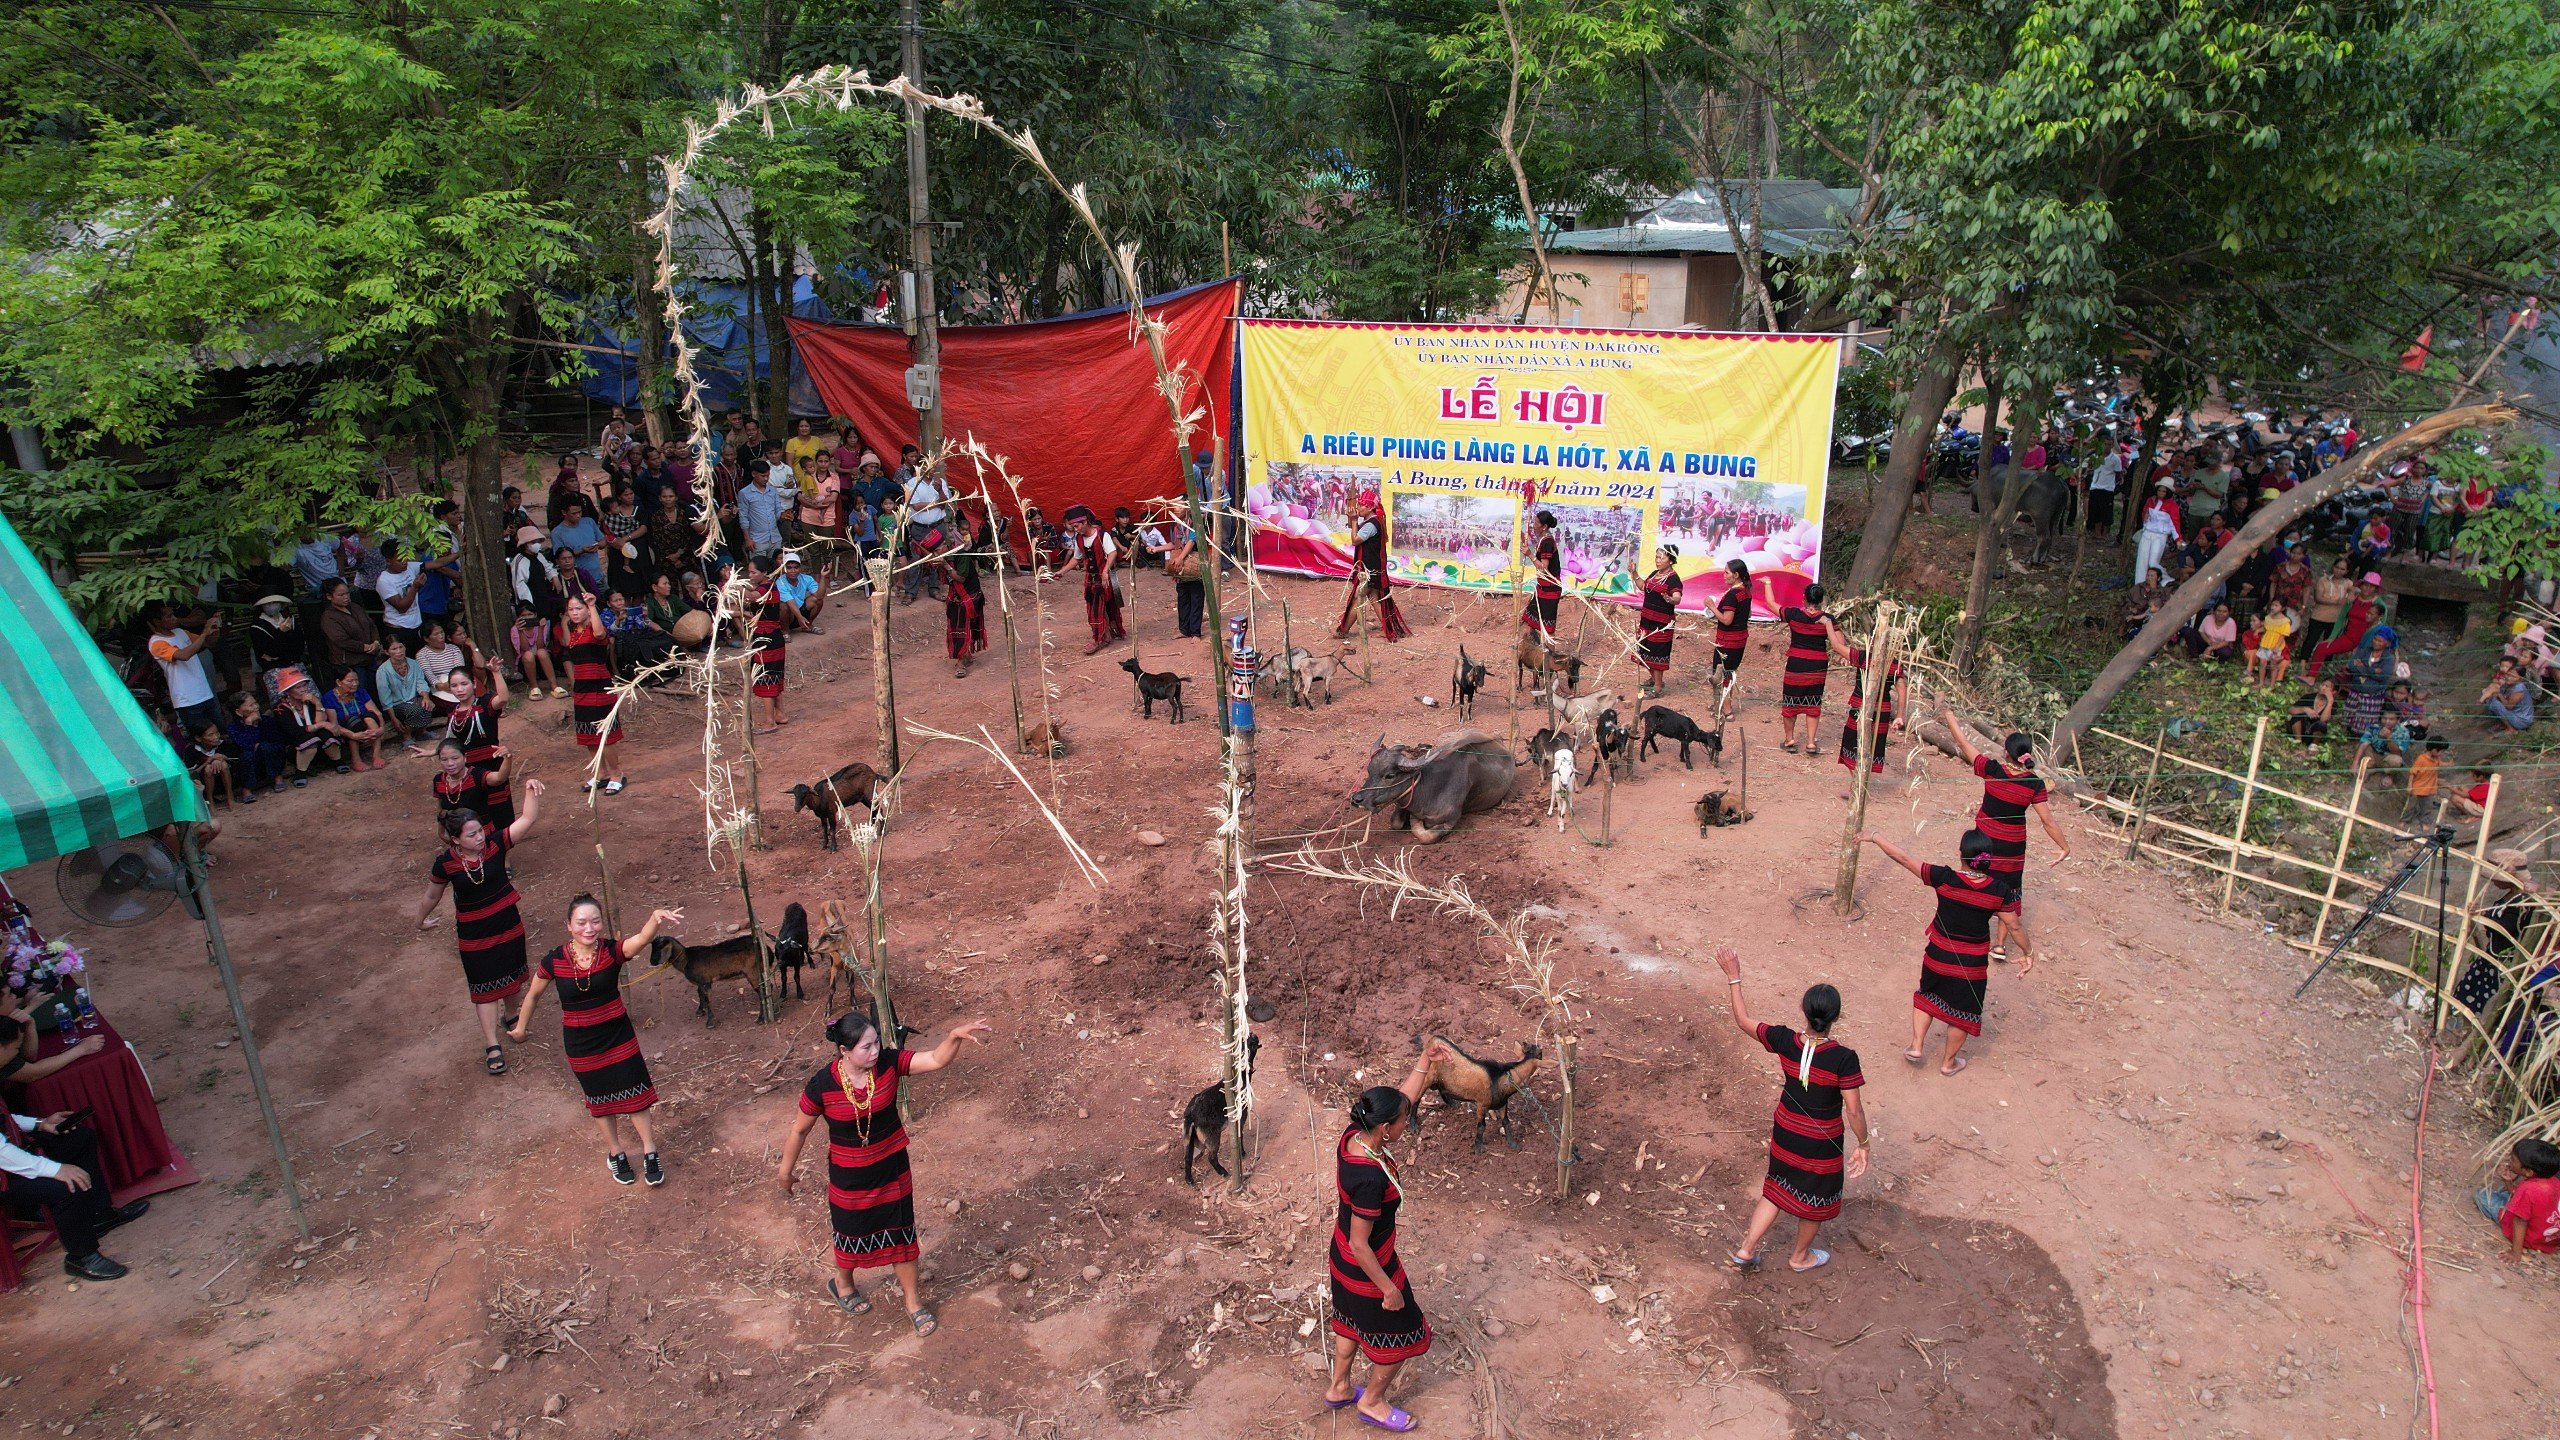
point(2445, 972)
point(1884, 646)
point(2142, 800)
point(2338, 862)
point(1564, 1119)
point(884, 689)
point(747, 738)
point(2309, 802)
point(2248, 798)
point(604, 870)
point(1004, 610)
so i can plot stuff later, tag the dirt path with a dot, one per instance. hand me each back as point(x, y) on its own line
point(2091, 1233)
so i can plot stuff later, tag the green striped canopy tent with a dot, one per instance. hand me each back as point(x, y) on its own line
point(80, 764)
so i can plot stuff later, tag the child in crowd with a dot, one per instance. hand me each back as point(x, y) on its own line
point(530, 639)
point(254, 752)
point(2426, 783)
point(210, 767)
point(2273, 655)
point(2308, 719)
point(2528, 1214)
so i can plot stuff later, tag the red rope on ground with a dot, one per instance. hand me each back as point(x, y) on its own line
point(2322, 1158)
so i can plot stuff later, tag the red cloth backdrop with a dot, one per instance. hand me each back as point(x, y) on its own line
point(1071, 404)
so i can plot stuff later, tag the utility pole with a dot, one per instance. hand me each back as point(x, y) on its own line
point(924, 379)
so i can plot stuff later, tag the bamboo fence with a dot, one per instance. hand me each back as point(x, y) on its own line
point(2312, 890)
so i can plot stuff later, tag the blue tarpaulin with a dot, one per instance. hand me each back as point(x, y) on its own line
point(726, 348)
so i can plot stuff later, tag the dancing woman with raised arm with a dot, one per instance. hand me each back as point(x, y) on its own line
point(1818, 1107)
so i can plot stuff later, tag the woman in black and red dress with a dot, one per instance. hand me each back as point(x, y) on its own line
point(871, 1203)
point(1955, 966)
point(1733, 624)
point(1099, 556)
point(1811, 641)
point(773, 615)
point(487, 790)
point(486, 927)
point(2009, 791)
point(964, 600)
point(1818, 1105)
point(590, 655)
point(1658, 617)
point(1540, 615)
point(1374, 1312)
point(1369, 580)
point(474, 720)
point(595, 1031)
point(1880, 725)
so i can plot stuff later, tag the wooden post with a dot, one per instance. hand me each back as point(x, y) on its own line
point(2248, 797)
point(875, 920)
point(2338, 862)
point(1129, 602)
point(884, 689)
point(1742, 746)
point(1004, 608)
point(2445, 973)
point(604, 871)
point(747, 740)
point(1284, 682)
point(1884, 638)
point(1564, 1118)
point(2142, 798)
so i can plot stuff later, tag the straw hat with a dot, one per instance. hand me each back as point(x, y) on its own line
point(2515, 862)
point(530, 534)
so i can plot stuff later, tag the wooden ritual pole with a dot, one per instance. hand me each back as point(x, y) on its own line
point(884, 688)
point(1884, 640)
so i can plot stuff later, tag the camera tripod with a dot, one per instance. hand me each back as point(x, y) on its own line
point(2436, 846)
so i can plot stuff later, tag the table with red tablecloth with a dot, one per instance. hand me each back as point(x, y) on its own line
point(133, 1148)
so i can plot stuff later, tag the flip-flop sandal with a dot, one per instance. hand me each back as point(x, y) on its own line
point(852, 1304)
point(587, 789)
point(1789, 747)
point(1820, 1259)
point(1743, 1262)
point(496, 1060)
point(923, 1321)
point(613, 786)
point(1915, 1057)
point(1356, 1392)
point(1397, 1422)
point(1956, 1068)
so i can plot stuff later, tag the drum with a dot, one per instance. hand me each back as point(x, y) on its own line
point(693, 628)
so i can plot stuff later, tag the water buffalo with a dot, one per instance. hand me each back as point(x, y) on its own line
point(1430, 788)
point(2043, 502)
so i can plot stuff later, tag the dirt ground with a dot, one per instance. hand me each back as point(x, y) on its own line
point(2166, 1198)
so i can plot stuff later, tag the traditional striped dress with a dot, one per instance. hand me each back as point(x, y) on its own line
point(2002, 817)
point(1363, 1187)
point(768, 642)
point(486, 928)
point(1807, 1145)
point(1733, 629)
point(476, 726)
point(478, 790)
point(1881, 721)
point(596, 1033)
point(1656, 619)
point(871, 1194)
point(1955, 967)
point(1808, 661)
point(1549, 596)
point(590, 654)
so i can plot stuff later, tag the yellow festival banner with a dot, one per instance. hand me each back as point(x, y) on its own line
point(1716, 444)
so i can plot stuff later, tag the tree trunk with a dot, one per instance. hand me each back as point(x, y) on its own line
point(483, 535)
point(1912, 436)
point(651, 323)
point(1992, 532)
point(777, 329)
point(2264, 526)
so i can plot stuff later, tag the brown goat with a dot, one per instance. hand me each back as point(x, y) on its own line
point(855, 784)
point(1046, 738)
point(1488, 1085)
point(1538, 658)
point(739, 957)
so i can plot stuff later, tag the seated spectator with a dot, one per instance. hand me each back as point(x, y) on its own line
point(530, 572)
point(637, 641)
point(2528, 1214)
point(530, 641)
point(275, 639)
point(2373, 542)
point(257, 757)
point(52, 1165)
point(664, 606)
point(803, 590)
point(18, 1036)
point(2507, 698)
point(306, 730)
point(673, 539)
point(439, 657)
point(2400, 726)
point(2533, 654)
point(2308, 718)
point(573, 578)
point(358, 723)
point(2218, 635)
point(2273, 655)
point(400, 686)
point(2472, 803)
point(208, 765)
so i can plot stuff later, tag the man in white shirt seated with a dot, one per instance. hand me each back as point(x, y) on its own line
point(63, 1183)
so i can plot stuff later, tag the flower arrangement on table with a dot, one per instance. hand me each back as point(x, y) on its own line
point(41, 977)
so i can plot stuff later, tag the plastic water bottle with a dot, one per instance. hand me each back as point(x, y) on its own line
point(88, 1012)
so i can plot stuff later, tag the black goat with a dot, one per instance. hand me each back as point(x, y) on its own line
point(1613, 745)
point(1204, 1120)
point(1155, 685)
point(791, 949)
point(1663, 723)
point(855, 784)
point(1465, 681)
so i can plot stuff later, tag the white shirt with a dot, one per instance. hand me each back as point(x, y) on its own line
point(186, 678)
point(2104, 477)
point(400, 595)
point(26, 1164)
point(925, 499)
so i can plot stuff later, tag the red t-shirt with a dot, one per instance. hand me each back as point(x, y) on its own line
point(2535, 1206)
point(2479, 793)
